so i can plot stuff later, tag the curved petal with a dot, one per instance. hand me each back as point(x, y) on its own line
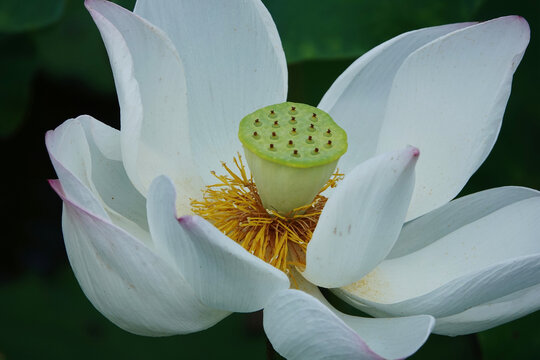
point(126, 281)
point(390, 338)
point(92, 177)
point(448, 99)
point(222, 273)
point(361, 221)
point(108, 174)
point(491, 314)
point(234, 65)
point(151, 86)
point(438, 223)
point(357, 99)
point(301, 327)
point(482, 260)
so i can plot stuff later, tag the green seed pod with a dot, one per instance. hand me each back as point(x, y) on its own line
point(292, 150)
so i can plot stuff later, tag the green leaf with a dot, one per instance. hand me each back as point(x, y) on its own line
point(348, 28)
point(17, 67)
point(19, 15)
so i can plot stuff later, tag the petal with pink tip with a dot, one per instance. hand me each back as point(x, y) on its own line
point(222, 273)
point(361, 221)
point(126, 281)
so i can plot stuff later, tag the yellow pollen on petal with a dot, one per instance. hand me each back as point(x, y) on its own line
point(233, 206)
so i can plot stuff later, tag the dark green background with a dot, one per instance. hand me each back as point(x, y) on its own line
point(53, 67)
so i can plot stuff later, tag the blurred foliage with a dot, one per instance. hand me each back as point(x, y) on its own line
point(348, 28)
point(53, 66)
point(27, 15)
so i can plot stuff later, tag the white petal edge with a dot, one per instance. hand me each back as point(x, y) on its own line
point(234, 64)
point(300, 327)
point(448, 99)
point(222, 273)
point(361, 221)
point(357, 99)
point(390, 338)
point(151, 86)
point(90, 178)
point(438, 223)
point(488, 258)
point(126, 281)
point(491, 314)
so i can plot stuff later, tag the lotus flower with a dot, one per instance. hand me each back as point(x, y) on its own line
point(389, 240)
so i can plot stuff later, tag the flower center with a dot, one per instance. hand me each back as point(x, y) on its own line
point(233, 206)
point(292, 151)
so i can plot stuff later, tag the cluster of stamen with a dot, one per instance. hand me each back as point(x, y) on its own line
point(233, 206)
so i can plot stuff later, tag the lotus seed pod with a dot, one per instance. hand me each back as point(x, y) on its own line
point(292, 150)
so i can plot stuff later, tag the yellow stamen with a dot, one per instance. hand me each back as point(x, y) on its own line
point(234, 207)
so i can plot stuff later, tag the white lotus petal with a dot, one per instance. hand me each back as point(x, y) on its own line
point(70, 156)
point(151, 88)
point(301, 327)
point(357, 99)
point(93, 181)
point(390, 338)
point(234, 64)
point(483, 259)
point(126, 281)
point(110, 179)
point(222, 273)
point(448, 99)
point(361, 221)
point(438, 223)
point(491, 314)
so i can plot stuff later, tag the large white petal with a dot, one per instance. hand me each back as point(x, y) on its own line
point(448, 99)
point(361, 221)
point(222, 273)
point(491, 314)
point(151, 86)
point(480, 260)
point(126, 281)
point(357, 99)
point(92, 176)
point(234, 64)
